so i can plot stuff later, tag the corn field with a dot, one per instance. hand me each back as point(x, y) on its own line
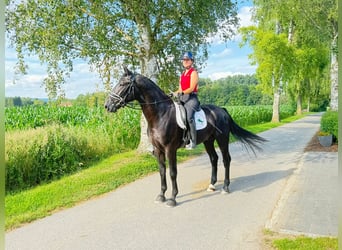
point(44, 143)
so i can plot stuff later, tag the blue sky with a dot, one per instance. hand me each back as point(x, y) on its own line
point(224, 59)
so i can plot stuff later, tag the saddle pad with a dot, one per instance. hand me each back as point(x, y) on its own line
point(200, 118)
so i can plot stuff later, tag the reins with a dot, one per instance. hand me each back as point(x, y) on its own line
point(122, 100)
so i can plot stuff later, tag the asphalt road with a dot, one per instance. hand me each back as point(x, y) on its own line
point(260, 187)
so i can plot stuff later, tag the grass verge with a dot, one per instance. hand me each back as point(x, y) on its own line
point(276, 241)
point(103, 177)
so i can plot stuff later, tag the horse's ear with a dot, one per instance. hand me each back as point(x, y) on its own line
point(127, 71)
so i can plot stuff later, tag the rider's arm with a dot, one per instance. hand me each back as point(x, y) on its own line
point(179, 90)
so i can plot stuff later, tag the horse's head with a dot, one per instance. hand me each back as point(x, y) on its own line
point(122, 93)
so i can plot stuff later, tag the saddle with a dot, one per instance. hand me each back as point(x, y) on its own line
point(199, 116)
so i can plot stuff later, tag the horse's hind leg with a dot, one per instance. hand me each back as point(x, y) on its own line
point(162, 170)
point(209, 147)
point(224, 147)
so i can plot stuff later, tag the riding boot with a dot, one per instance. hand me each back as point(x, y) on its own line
point(193, 135)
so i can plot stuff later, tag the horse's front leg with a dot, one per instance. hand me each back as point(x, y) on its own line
point(162, 170)
point(172, 157)
point(210, 148)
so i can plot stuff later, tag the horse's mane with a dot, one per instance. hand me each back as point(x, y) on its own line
point(150, 85)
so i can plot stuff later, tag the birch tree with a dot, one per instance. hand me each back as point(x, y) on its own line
point(307, 23)
point(274, 57)
point(149, 35)
point(320, 18)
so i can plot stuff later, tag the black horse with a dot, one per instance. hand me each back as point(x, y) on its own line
point(166, 136)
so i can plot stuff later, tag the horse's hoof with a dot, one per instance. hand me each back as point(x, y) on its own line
point(211, 188)
point(160, 199)
point(225, 190)
point(171, 203)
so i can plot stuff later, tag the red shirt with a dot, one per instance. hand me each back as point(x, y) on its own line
point(185, 80)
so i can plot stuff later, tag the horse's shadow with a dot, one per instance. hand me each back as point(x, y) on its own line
point(243, 184)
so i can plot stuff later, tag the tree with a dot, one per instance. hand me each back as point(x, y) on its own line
point(274, 57)
point(307, 23)
point(310, 65)
point(150, 35)
point(17, 101)
point(320, 18)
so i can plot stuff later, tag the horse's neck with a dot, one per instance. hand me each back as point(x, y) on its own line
point(154, 104)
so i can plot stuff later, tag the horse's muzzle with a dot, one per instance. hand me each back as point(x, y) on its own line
point(110, 107)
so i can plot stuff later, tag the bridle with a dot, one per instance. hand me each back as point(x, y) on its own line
point(129, 90)
point(121, 101)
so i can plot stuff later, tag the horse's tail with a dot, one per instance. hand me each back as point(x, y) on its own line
point(249, 139)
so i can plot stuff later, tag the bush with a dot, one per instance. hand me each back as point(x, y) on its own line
point(329, 123)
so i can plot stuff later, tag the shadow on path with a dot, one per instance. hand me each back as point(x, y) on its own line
point(243, 183)
point(251, 182)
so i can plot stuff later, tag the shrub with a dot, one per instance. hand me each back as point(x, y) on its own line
point(329, 123)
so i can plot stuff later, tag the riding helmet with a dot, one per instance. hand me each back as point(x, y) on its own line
point(188, 55)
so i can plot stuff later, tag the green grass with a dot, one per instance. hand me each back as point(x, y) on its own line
point(105, 176)
point(109, 174)
point(306, 243)
point(276, 241)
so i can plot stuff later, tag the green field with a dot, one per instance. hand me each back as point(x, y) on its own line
point(23, 206)
point(45, 143)
point(100, 177)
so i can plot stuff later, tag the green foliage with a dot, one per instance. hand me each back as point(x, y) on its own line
point(150, 35)
point(44, 143)
point(237, 90)
point(329, 123)
point(38, 116)
point(21, 101)
point(273, 55)
point(38, 202)
point(40, 155)
point(96, 99)
point(250, 115)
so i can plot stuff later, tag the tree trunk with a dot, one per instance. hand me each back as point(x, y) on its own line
point(149, 69)
point(145, 145)
point(334, 78)
point(276, 106)
point(299, 104)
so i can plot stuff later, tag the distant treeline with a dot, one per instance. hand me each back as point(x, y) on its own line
point(23, 101)
point(238, 90)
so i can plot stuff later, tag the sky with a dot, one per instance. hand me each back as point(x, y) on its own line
point(224, 59)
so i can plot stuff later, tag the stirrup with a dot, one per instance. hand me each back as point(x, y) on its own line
point(191, 145)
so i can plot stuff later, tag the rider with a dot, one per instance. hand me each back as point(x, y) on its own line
point(188, 87)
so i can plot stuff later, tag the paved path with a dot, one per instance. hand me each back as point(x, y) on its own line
point(274, 189)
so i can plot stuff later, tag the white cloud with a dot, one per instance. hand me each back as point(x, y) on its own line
point(245, 16)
